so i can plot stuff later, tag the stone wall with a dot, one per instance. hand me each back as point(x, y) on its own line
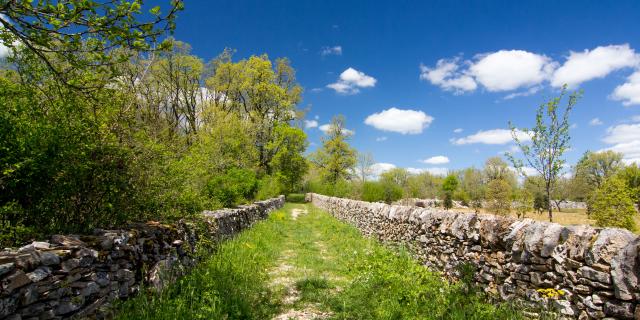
point(596, 269)
point(75, 276)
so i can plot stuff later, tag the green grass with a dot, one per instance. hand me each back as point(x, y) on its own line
point(317, 262)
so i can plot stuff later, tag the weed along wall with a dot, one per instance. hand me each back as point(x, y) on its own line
point(596, 269)
point(77, 275)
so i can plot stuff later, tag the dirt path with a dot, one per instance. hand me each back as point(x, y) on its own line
point(288, 275)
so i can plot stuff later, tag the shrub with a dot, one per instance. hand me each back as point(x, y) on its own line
point(612, 205)
point(268, 187)
point(233, 187)
point(381, 191)
point(296, 198)
point(499, 196)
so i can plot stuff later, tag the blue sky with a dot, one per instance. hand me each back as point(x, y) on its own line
point(443, 65)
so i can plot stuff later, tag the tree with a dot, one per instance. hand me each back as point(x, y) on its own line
point(365, 165)
point(495, 168)
point(336, 158)
point(596, 167)
point(631, 176)
point(449, 186)
point(499, 196)
point(549, 140)
point(540, 202)
point(612, 205)
point(288, 163)
point(83, 34)
point(523, 202)
point(473, 186)
point(561, 192)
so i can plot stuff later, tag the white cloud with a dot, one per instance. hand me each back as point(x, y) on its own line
point(593, 64)
point(4, 51)
point(635, 118)
point(494, 136)
point(325, 128)
point(401, 121)
point(381, 167)
point(625, 138)
point(380, 139)
point(336, 50)
point(573, 126)
point(458, 130)
point(351, 80)
point(595, 122)
point(511, 69)
point(529, 92)
point(628, 92)
point(436, 160)
point(316, 90)
point(528, 171)
point(446, 76)
point(308, 124)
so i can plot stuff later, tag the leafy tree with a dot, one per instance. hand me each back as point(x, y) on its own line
point(631, 176)
point(549, 140)
point(540, 202)
point(234, 187)
point(385, 191)
point(336, 158)
point(265, 93)
point(524, 202)
point(397, 176)
point(596, 167)
point(449, 186)
point(495, 168)
point(424, 185)
point(612, 205)
point(561, 192)
point(473, 186)
point(288, 162)
point(83, 34)
point(499, 196)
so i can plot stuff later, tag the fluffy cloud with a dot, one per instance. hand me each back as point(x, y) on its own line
point(593, 64)
point(494, 136)
point(436, 160)
point(458, 130)
point(351, 80)
point(511, 69)
point(629, 92)
point(327, 51)
point(446, 76)
point(498, 71)
point(308, 124)
point(381, 167)
point(625, 138)
point(595, 122)
point(401, 121)
point(326, 127)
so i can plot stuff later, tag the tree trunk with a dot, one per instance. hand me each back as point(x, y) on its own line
point(549, 204)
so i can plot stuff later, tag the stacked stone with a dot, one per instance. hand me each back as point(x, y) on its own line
point(594, 271)
point(78, 275)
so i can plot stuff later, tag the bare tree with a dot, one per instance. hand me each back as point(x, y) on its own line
point(365, 166)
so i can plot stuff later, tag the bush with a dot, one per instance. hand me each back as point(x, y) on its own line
point(268, 187)
point(499, 196)
point(296, 198)
point(381, 191)
point(234, 187)
point(612, 205)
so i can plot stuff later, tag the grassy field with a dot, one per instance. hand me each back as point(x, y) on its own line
point(301, 263)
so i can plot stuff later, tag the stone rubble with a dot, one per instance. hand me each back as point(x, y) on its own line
point(596, 269)
point(78, 275)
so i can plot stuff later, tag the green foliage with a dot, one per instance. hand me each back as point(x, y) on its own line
point(524, 202)
point(288, 162)
point(449, 186)
point(385, 191)
point(296, 198)
point(612, 205)
point(234, 187)
point(631, 176)
point(336, 158)
point(69, 37)
point(499, 196)
point(540, 202)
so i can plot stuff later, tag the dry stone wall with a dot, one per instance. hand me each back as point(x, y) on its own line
point(76, 276)
point(596, 269)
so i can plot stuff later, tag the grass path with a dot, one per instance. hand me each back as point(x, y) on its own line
point(301, 263)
